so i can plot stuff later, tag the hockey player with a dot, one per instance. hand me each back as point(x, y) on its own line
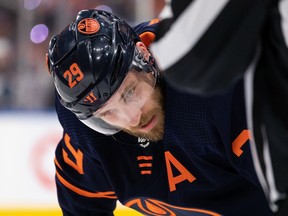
point(128, 135)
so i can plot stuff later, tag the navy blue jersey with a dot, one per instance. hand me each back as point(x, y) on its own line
point(202, 166)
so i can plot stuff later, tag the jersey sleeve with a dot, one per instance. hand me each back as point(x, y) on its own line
point(228, 116)
point(147, 31)
point(82, 186)
point(216, 42)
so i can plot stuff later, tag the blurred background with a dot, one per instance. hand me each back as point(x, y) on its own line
point(29, 130)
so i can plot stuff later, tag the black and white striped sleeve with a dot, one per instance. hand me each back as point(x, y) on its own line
point(209, 43)
point(205, 46)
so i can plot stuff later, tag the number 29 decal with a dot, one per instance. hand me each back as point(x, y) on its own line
point(74, 75)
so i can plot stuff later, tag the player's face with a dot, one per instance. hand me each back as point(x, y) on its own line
point(150, 122)
point(137, 107)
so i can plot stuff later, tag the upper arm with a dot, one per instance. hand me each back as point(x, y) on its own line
point(82, 186)
point(147, 31)
point(212, 51)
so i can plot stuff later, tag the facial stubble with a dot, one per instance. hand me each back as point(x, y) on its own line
point(156, 133)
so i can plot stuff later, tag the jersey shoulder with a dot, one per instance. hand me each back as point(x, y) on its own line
point(147, 31)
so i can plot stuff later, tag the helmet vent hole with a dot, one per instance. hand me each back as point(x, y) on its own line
point(94, 15)
point(117, 66)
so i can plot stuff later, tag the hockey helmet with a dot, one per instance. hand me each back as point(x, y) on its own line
point(89, 60)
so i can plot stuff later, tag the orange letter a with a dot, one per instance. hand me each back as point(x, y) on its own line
point(185, 174)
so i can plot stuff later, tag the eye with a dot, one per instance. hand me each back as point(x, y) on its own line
point(129, 95)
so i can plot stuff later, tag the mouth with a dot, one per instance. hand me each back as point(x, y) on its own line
point(149, 125)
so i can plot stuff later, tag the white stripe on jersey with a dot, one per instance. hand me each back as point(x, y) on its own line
point(166, 12)
point(283, 9)
point(186, 31)
point(267, 182)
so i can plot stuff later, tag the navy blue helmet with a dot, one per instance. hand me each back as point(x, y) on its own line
point(90, 58)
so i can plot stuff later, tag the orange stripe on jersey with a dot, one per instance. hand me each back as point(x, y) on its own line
point(146, 172)
point(144, 158)
point(154, 21)
point(57, 163)
point(243, 137)
point(145, 165)
point(108, 194)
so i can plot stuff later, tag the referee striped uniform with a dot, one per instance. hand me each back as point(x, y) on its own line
point(205, 46)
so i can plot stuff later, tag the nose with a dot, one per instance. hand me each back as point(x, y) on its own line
point(135, 120)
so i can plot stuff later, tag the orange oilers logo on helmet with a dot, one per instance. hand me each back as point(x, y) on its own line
point(88, 26)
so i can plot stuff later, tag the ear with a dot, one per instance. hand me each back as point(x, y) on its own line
point(143, 49)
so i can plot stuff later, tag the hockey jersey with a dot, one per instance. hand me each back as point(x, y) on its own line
point(201, 167)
